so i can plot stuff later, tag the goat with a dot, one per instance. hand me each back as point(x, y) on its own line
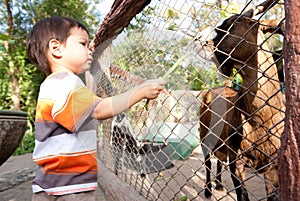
point(124, 139)
point(249, 122)
point(142, 156)
point(218, 105)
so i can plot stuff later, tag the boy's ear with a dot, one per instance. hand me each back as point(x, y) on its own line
point(55, 47)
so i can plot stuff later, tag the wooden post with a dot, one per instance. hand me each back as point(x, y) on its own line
point(289, 153)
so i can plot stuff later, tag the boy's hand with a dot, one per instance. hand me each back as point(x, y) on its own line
point(152, 88)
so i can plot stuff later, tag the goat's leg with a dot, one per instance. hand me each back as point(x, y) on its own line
point(218, 180)
point(237, 170)
point(117, 156)
point(208, 191)
point(207, 163)
point(272, 184)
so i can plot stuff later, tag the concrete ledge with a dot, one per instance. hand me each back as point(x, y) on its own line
point(16, 170)
point(115, 189)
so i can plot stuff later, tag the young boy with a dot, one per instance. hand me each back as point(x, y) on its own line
point(65, 132)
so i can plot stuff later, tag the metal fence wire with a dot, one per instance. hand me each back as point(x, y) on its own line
point(216, 131)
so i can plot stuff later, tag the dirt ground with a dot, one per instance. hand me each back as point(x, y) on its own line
point(185, 179)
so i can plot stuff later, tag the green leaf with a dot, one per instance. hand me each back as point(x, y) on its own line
point(11, 42)
point(181, 198)
point(4, 37)
point(2, 48)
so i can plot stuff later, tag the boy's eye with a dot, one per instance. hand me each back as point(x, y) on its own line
point(83, 43)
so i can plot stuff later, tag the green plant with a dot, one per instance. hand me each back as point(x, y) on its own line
point(27, 144)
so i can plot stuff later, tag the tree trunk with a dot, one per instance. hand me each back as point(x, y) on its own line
point(15, 94)
point(289, 153)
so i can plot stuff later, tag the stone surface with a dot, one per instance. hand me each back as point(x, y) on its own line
point(16, 176)
point(13, 125)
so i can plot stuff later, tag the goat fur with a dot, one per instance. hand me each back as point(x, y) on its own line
point(253, 118)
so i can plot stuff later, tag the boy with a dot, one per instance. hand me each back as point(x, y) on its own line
point(65, 132)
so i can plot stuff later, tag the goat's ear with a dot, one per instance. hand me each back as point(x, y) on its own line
point(123, 128)
point(272, 26)
point(207, 98)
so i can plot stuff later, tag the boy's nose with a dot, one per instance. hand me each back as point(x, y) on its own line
point(91, 47)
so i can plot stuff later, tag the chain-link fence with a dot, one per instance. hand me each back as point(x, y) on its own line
point(216, 132)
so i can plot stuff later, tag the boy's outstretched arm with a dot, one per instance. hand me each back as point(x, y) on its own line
point(115, 105)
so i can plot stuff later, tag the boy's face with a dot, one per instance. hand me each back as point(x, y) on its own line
point(77, 56)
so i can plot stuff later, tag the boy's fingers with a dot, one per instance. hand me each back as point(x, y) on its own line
point(164, 91)
point(161, 81)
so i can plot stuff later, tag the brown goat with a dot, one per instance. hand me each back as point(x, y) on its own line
point(221, 135)
point(249, 122)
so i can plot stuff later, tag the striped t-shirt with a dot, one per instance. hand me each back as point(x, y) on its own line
point(65, 136)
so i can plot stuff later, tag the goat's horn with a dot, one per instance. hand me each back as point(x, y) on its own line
point(260, 8)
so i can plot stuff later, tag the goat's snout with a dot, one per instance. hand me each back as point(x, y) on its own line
point(207, 34)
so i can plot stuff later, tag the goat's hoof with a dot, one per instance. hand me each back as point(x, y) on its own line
point(219, 187)
point(243, 196)
point(207, 193)
point(273, 197)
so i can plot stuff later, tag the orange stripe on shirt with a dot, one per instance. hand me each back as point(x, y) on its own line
point(78, 104)
point(68, 164)
point(43, 110)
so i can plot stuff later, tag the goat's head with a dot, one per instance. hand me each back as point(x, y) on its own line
point(123, 136)
point(235, 42)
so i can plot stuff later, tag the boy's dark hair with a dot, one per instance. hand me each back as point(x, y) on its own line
point(49, 28)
